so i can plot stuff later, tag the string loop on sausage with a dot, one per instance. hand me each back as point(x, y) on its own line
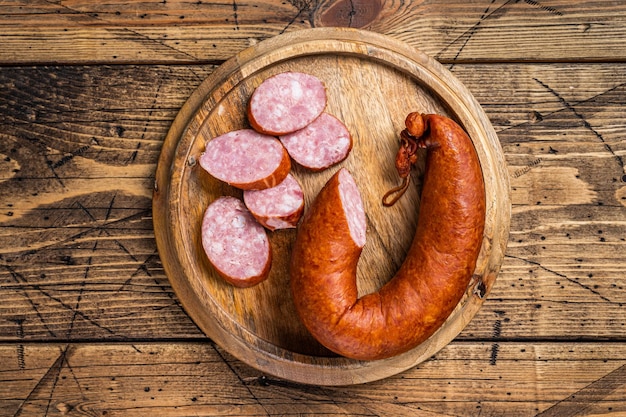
point(406, 156)
point(393, 195)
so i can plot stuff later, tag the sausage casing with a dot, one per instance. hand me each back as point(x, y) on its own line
point(432, 279)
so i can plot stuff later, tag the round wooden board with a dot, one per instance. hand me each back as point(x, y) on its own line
point(372, 83)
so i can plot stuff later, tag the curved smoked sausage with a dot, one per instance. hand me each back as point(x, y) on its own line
point(433, 277)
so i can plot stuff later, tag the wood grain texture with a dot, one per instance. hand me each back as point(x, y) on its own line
point(182, 31)
point(548, 340)
point(180, 379)
point(563, 275)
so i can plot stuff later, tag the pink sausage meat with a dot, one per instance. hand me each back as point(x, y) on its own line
point(246, 159)
point(286, 102)
point(278, 207)
point(235, 243)
point(324, 142)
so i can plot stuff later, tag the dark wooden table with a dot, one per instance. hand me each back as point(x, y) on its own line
point(89, 324)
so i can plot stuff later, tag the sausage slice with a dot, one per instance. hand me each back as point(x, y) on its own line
point(235, 243)
point(246, 159)
point(321, 144)
point(278, 207)
point(286, 102)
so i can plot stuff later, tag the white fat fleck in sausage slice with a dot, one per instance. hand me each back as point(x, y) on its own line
point(324, 142)
point(278, 207)
point(352, 207)
point(286, 102)
point(246, 159)
point(235, 243)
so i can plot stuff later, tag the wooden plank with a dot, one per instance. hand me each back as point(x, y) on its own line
point(80, 151)
point(78, 148)
point(183, 31)
point(177, 379)
point(228, 317)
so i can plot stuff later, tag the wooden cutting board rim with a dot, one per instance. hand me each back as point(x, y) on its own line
point(176, 156)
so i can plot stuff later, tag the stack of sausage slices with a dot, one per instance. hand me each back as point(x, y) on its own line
point(289, 122)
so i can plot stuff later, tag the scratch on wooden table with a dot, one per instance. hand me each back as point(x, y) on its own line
point(235, 15)
point(468, 34)
point(302, 7)
point(571, 106)
point(74, 377)
point(489, 14)
point(192, 69)
point(67, 158)
point(166, 289)
point(334, 396)
point(17, 277)
point(50, 165)
point(583, 400)
point(51, 375)
point(102, 228)
point(526, 169)
point(572, 280)
point(240, 379)
point(99, 227)
point(77, 312)
point(548, 9)
point(86, 231)
point(582, 118)
point(153, 107)
point(20, 279)
point(141, 37)
point(497, 331)
point(20, 347)
point(87, 269)
point(81, 290)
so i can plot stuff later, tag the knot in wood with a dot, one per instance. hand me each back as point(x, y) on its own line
point(348, 13)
